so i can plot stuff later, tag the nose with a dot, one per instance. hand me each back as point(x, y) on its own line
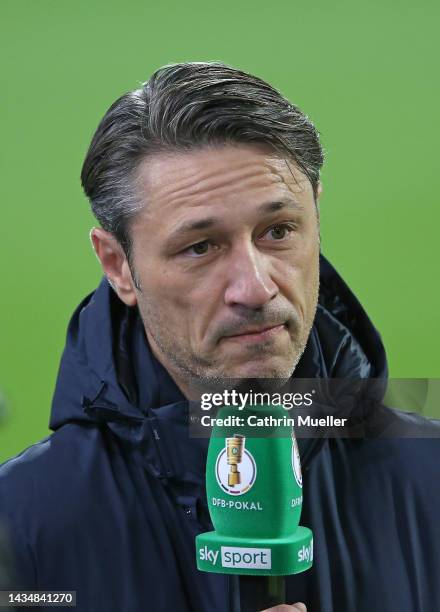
point(249, 281)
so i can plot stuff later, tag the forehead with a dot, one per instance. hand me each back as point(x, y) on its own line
point(217, 176)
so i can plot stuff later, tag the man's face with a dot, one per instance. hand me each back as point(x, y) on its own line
point(226, 254)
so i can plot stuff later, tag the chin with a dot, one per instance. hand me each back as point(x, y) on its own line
point(271, 369)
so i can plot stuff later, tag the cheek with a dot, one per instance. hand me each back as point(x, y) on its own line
point(193, 290)
point(310, 274)
point(178, 307)
point(172, 302)
point(160, 295)
point(298, 271)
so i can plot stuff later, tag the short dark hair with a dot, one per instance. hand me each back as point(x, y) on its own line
point(182, 107)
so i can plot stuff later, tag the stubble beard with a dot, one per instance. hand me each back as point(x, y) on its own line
point(201, 374)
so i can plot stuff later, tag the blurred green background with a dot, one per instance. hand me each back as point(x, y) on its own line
point(365, 72)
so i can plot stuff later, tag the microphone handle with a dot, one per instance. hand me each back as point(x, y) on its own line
point(256, 593)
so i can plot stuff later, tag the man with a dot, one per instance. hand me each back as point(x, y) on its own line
point(206, 184)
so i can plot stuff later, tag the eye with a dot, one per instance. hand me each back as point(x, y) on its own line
point(279, 232)
point(198, 249)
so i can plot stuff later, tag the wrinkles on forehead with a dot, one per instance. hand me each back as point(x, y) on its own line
point(198, 176)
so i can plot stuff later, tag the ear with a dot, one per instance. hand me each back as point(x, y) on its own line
point(114, 264)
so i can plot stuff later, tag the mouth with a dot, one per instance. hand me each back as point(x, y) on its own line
point(258, 334)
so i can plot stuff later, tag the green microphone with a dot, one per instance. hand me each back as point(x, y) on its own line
point(254, 491)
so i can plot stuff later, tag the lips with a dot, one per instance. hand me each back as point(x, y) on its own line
point(256, 330)
point(257, 334)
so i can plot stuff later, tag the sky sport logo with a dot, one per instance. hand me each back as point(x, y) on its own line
point(250, 558)
point(246, 558)
point(305, 554)
point(238, 557)
point(205, 554)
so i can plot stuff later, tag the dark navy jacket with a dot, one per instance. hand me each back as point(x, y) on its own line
point(110, 503)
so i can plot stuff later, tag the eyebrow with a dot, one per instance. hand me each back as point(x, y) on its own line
point(269, 207)
point(202, 224)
